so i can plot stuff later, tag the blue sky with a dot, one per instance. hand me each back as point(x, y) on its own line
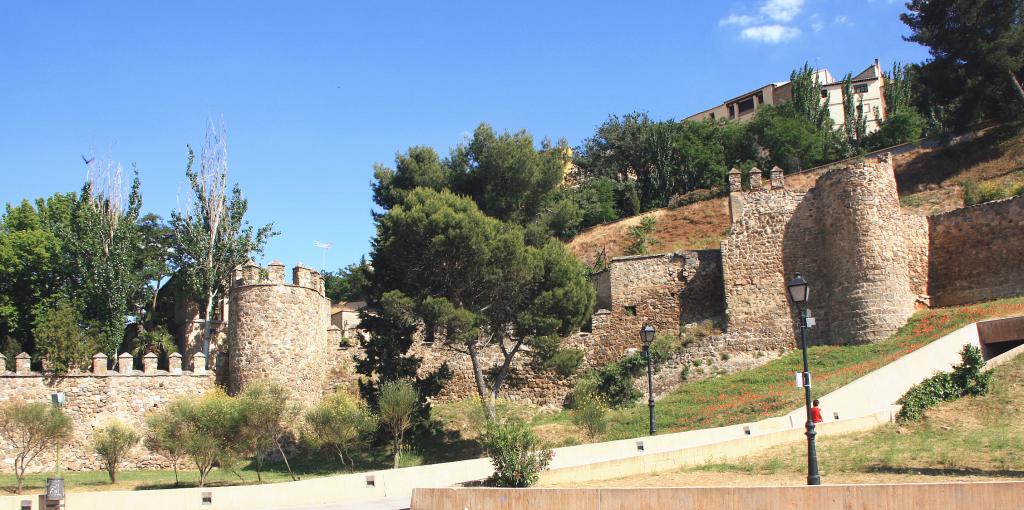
point(312, 94)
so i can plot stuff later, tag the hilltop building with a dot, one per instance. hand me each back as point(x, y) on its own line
point(868, 86)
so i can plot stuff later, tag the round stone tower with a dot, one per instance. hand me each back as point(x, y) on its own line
point(868, 252)
point(277, 331)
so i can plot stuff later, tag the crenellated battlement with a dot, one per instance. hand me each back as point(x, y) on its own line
point(101, 367)
point(250, 273)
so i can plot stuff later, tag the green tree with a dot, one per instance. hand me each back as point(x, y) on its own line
point(165, 434)
point(112, 442)
point(807, 99)
point(102, 246)
point(265, 415)
point(792, 141)
point(207, 428)
point(897, 91)
point(473, 281)
point(977, 55)
point(31, 428)
point(153, 265)
point(418, 167)
point(64, 339)
point(32, 266)
point(340, 422)
point(350, 283)
point(854, 119)
point(211, 235)
point(397, 408)
point(641, 236)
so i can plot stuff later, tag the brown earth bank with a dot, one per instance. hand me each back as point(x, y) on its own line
point(929, 182)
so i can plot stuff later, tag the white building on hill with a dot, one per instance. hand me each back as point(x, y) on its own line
point(868, 88)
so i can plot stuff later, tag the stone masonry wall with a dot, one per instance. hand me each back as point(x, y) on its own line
point(865, 259)
point(977, 253)
point(279, 331)
point(95, 398)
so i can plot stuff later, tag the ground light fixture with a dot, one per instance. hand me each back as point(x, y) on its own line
point(647, 338)
point(798, 289)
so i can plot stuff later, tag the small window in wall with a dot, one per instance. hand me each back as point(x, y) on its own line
point(630, 310)
point(712, 115)
point(860, 88)
point(824, 93)
point(746, 105)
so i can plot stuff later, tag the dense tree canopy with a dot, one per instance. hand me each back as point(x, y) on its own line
point(471, 280)
point(977, 50)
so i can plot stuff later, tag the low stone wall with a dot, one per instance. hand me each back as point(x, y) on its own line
point(95, 398)
point(977, 253)
point(930, 496)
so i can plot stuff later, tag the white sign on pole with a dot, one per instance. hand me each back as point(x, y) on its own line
point(800, 381)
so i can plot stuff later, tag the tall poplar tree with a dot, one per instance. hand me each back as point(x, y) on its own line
point(211, 235)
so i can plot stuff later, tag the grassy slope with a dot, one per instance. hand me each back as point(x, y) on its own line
point(976, 436)
point(768, 390)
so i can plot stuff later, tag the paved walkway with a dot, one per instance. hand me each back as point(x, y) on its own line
point(394, 503)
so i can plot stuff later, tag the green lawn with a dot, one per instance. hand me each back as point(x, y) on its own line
point(976, 436)
point(768, 390)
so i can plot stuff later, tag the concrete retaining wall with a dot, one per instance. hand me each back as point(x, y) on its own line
point(938, 496)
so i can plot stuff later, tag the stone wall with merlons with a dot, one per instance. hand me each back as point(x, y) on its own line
point(865, 259)
point(94, 399)
point(977, 253)
point(279, 331)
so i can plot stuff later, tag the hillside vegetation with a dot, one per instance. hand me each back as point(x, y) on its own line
point(930, 181)
point(758, 393)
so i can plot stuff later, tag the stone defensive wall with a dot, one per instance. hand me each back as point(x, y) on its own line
point(96, 397)
point(977, 253)
point(278, 331)
point(866, 259)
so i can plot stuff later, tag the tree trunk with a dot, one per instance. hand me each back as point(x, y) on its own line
point(208, 327)
point(175, 466)
point(113, 475)
point(481, 386)
point(286, 464)
point(1016, 84)
point(398, 449)
point(499, 380)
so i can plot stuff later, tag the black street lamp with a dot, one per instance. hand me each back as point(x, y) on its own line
point(798, 293)
point(647, 337)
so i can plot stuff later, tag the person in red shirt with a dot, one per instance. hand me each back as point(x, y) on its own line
point(816, 413)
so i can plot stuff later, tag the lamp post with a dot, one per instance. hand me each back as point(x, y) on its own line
point(798, 292)
point(647, 337)
point(55, 485)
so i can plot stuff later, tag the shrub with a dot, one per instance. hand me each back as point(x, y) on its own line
point(112, 442)
point(339, 422)
point(613, 382)
point(967, 379)
point(30, 428)
point(565, 362)
point(264, 415)
point(208, 430)
point(397, 406)
point(588, 413)
point(516, 452)
point(988, 191)
point(905, 125)
point(641, 237)
point(165, 435)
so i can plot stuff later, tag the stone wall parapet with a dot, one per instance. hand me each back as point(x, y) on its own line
point(100, 367)
point(251, 274)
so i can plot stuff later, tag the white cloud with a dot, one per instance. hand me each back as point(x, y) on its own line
point(782, 10)
point(770, 33)
point(737, 19)
point(842, 20)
